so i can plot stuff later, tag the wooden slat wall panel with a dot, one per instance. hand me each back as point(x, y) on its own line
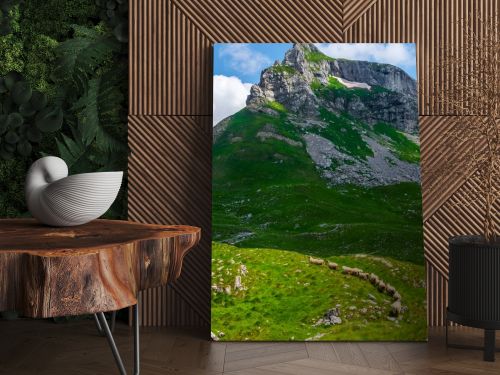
point(170, 62)
point(171, 105)
point(170, 162)
point(266, 21)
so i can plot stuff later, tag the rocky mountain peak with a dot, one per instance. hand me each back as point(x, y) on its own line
point(307, 79)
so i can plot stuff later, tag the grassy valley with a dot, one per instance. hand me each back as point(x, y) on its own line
point(283, 296)
point(321, 175)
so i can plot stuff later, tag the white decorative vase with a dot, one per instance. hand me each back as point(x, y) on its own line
point(56, 199)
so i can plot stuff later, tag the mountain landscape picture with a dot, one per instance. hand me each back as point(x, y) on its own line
point(316, 197)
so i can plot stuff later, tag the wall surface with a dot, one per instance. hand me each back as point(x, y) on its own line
point(171, 107)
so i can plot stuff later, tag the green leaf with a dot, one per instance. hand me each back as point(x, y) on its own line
point(33, 134)
point(14, 120)
point(121, 32)
point(5, 155)
point(27, 109)
point(98, 114)
point(3, 124)
point(3, 88)
point(9, 147)
point(73, 152)
point(11, 78)
point(7, 105)
point(38, 100)
point(11, 137)
point(24, 148)
point(21, 92)
point(80, 56)
point(49, 119)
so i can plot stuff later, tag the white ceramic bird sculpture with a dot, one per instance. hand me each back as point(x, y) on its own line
point(56, 199)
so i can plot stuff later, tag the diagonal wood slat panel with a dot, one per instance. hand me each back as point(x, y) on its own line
point(353, 10)
point(266, 21)
point(171, 167)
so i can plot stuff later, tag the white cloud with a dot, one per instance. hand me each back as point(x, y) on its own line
point(398, 54)
point(241, 58)
point(230, 95)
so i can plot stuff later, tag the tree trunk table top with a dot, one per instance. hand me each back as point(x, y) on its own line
point(100, 266)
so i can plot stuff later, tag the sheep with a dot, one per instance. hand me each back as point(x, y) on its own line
point(396, 308)
point(363, 275)
point(316, 261)
point(333, 266)
point(390, 289)
point(351, 271)
point(396, 296)
point(381, 286)
point(373, 279)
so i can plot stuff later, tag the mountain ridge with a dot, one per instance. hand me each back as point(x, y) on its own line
point(291, 83)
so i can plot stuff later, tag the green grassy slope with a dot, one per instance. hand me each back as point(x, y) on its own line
point(270, 194)
point(284, 296)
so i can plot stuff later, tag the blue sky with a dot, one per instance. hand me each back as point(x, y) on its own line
point(238, 65)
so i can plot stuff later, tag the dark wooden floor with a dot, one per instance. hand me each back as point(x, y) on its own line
point(42, 347)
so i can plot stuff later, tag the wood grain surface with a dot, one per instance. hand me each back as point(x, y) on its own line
point(99, 266)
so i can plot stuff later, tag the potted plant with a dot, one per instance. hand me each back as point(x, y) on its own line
point(471, 152)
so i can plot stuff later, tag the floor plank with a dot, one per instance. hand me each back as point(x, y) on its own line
point(350, 353)
point(323, 351)
point(41, 347)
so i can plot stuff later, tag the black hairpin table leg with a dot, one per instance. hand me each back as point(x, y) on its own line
point(98, 325)
point(102, 324)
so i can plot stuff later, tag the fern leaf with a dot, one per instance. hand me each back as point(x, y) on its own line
point(80, 56)
point(73, 152)
point(98, 114)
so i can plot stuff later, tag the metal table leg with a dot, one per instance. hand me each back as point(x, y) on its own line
point(113, 324)
point(103, 325)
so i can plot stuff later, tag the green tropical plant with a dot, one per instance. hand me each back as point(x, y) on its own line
point(24, 116)
point(6, 7)
point(115, 13)
point(69, 97)
point(81, 56)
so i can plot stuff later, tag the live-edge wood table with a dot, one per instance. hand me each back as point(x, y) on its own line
point(89, 269)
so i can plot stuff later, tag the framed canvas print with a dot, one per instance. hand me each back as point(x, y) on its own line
point(316, 203)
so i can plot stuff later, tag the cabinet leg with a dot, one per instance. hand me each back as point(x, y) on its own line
point(489, 345)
